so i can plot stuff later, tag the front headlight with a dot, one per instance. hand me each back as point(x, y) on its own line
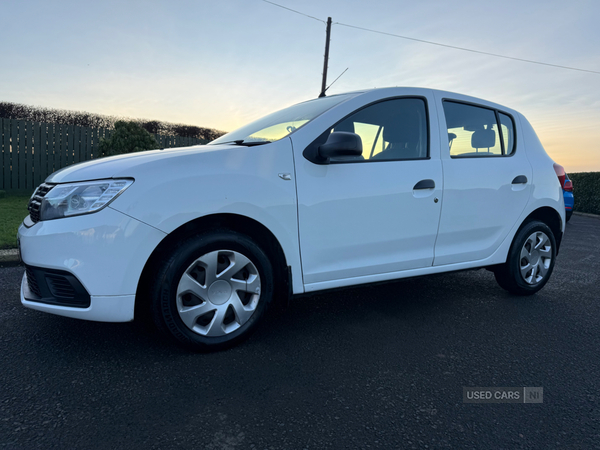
point(73, 199)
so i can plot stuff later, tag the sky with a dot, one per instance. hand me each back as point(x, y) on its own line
point(223, 63)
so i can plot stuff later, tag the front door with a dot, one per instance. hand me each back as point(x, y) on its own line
point(374, 214)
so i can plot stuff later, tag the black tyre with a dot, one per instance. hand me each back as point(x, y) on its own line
point(568, 215)
point(530, 260)
point(212, 290)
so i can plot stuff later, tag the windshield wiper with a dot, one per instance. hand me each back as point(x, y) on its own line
point(244, 143)
point(250, 143)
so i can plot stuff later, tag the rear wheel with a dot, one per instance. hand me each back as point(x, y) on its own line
point(530, 260)
point(212, 290)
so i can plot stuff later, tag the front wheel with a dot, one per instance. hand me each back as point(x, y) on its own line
point(212, 290)
point(530, 260)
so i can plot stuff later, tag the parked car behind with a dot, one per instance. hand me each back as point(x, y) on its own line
point(569, 197)
point(342, 190)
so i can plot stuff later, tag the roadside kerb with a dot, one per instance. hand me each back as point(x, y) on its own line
point(595, 216)
point(9, 257)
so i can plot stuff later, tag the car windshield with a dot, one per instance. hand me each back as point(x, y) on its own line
point(279, 124)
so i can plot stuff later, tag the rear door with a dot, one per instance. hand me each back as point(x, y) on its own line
point(487, 181)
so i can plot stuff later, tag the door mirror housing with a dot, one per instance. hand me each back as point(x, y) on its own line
point(341, 143)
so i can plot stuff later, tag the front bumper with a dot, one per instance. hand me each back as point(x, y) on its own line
point(105, 252)
point(116, 308)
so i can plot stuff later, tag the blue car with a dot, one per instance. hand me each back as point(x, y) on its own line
point(568, 195)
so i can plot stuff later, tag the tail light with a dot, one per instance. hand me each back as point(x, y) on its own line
point(568, 186)
point(560, 173)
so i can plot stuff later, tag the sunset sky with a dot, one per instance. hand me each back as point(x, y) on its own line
point(223, 63)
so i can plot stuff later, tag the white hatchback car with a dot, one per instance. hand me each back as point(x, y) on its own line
point(342, 190)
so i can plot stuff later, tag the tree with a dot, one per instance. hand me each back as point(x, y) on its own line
point(128, 137)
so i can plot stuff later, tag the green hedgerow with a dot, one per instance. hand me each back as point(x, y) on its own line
point(128, 137)
point(586, 190)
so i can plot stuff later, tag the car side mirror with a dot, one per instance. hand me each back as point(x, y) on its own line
point(341, 143)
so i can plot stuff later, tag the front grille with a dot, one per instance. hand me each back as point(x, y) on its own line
point(59, 286)
point(35, 204)
point(32, 282)
point(55, 287)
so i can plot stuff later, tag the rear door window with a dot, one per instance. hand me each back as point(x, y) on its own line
point(473, 131)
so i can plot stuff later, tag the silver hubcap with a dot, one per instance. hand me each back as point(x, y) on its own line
point(536, 256)
point(218, 293)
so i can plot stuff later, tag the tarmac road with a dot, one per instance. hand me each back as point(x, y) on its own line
point(369, 367)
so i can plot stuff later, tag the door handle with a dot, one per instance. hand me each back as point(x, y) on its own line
point(424, 184)
point(521, 179)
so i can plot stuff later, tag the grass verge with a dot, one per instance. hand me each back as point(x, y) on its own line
point(13, 209)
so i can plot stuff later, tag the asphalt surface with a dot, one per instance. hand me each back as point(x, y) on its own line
point(369, 367)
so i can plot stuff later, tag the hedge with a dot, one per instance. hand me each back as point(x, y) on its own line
point(586, 190)
point(29, 113)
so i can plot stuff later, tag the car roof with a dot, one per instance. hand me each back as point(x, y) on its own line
point(397, 90)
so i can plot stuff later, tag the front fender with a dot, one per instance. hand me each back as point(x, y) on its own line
point(236, 180)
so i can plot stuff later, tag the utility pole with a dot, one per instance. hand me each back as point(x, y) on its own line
point(324, 84)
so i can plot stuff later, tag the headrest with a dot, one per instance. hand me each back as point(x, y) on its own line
point(483, 138)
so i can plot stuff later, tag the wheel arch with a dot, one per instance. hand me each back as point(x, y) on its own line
point(263, 237)
point(550, 217)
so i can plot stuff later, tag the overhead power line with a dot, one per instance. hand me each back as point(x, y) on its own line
point(496, 55)
point(465, 49)
point(294, 11)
